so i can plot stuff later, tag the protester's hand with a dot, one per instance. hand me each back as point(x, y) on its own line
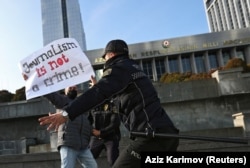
point(53, 120)
point(25, 77)
point(96, 132)
point(92, 81)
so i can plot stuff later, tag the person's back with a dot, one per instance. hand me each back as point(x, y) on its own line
point(140, 105)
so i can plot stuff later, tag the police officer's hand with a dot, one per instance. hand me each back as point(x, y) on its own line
point(53, 120)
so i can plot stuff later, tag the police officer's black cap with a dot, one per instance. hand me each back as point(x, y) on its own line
point(117, 46)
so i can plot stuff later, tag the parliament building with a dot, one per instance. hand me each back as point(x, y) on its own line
point(196, 53)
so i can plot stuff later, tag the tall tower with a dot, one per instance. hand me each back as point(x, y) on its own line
point(62, 18)
point(227, 14)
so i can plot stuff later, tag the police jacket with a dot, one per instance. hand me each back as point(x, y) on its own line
point(105, 118)
point(136, 98)
point(75, 134)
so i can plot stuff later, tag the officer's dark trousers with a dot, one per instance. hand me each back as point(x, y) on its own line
point(130, 156)
point(111, 147)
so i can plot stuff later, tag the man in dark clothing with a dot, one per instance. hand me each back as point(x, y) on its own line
point(137, 102)
point(73, 136)
point(106, 131)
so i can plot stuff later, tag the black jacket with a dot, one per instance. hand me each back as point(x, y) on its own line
point(75, 134)
point(136, 98)
point(105, 118)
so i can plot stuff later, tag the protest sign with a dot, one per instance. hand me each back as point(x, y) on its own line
point(58, 65)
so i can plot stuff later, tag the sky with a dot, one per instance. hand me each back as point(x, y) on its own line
point(134, 21)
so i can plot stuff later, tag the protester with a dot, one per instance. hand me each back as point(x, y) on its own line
point(136, 100)
point(73, 136)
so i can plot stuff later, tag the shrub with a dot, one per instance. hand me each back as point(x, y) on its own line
point(235, 63)
point(178, 77)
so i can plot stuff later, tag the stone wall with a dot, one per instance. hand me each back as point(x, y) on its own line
point(208, 103)
point(19, 127)
point(193, 106)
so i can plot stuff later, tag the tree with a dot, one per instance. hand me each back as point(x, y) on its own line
point(5, 96)
point(20, 95)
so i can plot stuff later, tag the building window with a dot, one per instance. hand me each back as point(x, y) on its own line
point(173, 64)
point(98, 74)
point(240, 53)
point(147, 68)
point(213, 61)
point(226, 56)
point(160, 67)
point(200, 62)
point(186, 63)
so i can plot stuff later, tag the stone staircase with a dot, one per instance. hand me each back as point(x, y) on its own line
point(43, 155)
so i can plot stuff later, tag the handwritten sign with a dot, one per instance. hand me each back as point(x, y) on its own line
point(58, 65)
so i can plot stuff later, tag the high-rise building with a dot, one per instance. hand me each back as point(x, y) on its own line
point(227, 14)
point(62, 18)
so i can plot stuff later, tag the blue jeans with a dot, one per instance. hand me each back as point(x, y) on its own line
point(83, 156)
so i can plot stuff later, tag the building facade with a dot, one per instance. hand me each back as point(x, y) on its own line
point(227, 14)
point(62, 18)
point(196, 54)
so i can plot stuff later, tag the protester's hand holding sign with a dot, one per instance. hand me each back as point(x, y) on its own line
point(59, 64)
